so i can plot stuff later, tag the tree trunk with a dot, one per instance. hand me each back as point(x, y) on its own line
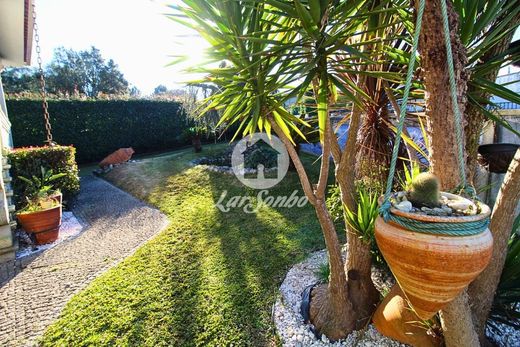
point(330, 307)
point(457, 315)
point(439, 107)
point(362, 293)
point(482, 290)
point(455, 318)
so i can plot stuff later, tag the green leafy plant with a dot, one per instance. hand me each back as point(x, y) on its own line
point(41, 186)
point(27, 162)
point(409, 173)
point(40, 192)
point(364, 218)
point(323, 273)
point(506, 309)
point(195, 131)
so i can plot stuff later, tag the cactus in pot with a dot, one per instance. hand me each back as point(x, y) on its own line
point(424, 191)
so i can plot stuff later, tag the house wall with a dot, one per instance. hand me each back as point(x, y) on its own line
point(7, 246)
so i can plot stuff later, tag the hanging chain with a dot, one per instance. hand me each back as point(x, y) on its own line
point(43, 93)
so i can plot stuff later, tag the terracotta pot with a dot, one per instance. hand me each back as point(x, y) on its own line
point(393, 318)
point(433, 269)
point(497, 156)
point(44, 224)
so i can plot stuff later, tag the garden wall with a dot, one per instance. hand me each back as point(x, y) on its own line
point(98, 127)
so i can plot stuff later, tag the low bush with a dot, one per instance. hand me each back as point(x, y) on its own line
point(27, 162)
point(96, 128)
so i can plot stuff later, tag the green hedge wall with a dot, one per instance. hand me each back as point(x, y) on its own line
point(27, 162)
point(98, 127)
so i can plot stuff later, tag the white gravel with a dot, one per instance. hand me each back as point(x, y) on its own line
point(506, 337)
point(289, 322)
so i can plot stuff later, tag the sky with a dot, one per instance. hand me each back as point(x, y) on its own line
point(136, 34)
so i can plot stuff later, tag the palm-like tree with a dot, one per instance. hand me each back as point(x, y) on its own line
point(277, 50)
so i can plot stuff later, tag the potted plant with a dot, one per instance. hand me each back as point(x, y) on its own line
point(41, 215)
point(194, 133)
point(435, 243)
point(497, 156)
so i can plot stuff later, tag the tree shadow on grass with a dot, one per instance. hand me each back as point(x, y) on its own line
point(210, 279)
point(256, 250)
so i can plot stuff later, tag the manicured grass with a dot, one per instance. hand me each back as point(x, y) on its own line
point(210, 279)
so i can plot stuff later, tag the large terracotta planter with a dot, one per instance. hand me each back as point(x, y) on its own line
point(44, 224)
point(433, 269)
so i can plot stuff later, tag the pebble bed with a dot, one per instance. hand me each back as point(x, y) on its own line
point(293, 332)
point(506, 336)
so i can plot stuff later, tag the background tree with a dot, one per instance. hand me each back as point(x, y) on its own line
point(84, 72)
point(134, 92)
point(19, 80)
point(160, 89)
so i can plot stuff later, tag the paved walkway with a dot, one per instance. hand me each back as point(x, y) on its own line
point(117, 224)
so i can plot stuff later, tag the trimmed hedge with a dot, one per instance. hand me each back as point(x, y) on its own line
point(98, 127)
point(27, 162)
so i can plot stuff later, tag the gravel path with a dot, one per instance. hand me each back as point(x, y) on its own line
point(117, 224)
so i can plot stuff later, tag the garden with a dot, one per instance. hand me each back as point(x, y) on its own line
point(364, 194)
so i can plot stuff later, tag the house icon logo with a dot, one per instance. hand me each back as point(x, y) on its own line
point(267, 170)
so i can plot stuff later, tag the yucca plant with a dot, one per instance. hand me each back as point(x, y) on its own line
point(42, 185)
point(486, 30)
point(277, 50)
point(362, 220)
point(409, 172)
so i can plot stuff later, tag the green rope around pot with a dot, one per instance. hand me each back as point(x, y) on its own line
point(439, 228)
point(442, 228)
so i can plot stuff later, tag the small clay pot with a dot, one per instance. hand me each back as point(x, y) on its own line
point(433, 269)
point(44, 224)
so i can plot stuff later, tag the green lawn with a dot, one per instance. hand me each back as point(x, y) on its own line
point(209, 279)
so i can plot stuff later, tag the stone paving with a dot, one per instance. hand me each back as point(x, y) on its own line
point(117, 224)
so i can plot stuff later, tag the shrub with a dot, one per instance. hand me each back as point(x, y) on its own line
point(27, 162)
point(96, 128)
